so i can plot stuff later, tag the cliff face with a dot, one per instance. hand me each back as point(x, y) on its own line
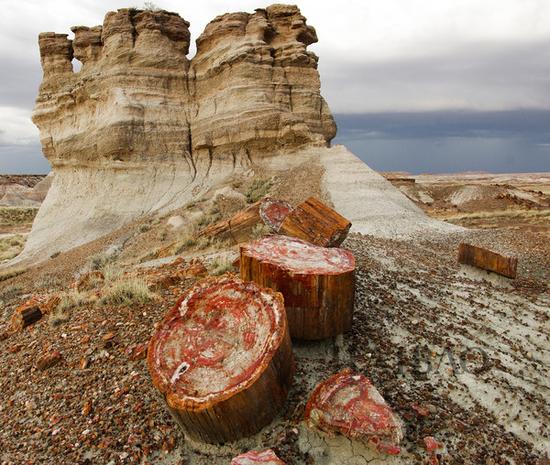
point(140, 127)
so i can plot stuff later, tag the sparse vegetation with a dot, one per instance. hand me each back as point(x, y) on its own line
point(128, 291)
point(212, 216)
point(144, 228)
point(260, 230)
point(220, 266)
point(257, 189)
point(11, 216)
point(69, 301)
point(11, 246)
point(11, 273)
point(111, 272)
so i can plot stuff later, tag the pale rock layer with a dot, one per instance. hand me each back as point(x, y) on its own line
point(141, 128)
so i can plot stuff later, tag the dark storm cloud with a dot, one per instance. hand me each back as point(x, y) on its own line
point(532, 124)
point(484, 76)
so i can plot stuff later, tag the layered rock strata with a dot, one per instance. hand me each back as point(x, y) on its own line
point(140, 127)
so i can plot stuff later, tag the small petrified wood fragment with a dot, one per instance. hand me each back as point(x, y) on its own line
point(487, 260)
point(268, 211)
point(265, 457)
point(347, 403)
point(318, 283)
point(317, 223)
point(222, 359)
point(25, 316)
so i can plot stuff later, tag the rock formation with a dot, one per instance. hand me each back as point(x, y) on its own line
point(142, 128)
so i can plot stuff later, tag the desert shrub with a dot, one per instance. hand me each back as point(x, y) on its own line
point(144, 227)
point(257, 189)
point(111, 272)
point(69, 301)
point(184, 244)
point(10, 292)
point(11, 246)
point(11, 273)
point(260, 230)
point(126, 292)
point(220, 266)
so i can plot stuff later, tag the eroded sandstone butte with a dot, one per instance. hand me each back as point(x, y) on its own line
point(141, 128)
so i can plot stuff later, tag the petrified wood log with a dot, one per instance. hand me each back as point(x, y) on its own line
point(25, 316)
point(265, 457)
point(268, 211)
point(347, 403)
point(222, 359)
point(318, 283)
point(487, 260)
point(317, 223)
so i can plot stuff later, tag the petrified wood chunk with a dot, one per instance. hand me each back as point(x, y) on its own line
point(222, 359)
point(265, 457)
point(317, 223)
point(487, 260)
point(318, 283)
point(347, 403)
point(268, 211)
point(26, 315)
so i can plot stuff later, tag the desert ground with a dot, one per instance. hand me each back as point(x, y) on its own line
point(459, 353)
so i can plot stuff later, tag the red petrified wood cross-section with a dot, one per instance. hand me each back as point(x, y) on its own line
point(348, 403)
point(222, 359)
point(255, 457)
point(240, 227)
point(317, 283)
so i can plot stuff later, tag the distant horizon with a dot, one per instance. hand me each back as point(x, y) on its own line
point(437, 142)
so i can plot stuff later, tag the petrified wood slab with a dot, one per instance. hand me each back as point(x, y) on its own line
point(487, 260)
point(347, 403)
point(317, 223)
point(265, 457)
point(222, 359)
point(268, 211)
point(318, 283)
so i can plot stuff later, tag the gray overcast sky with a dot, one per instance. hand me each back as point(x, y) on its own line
point(375, 55)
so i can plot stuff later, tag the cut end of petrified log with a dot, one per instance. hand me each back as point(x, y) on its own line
point(317, 223)
point(215, 348)
point(264, 457)
point(318, 283)
point(273, 212)
point(299, 256)
point(347, 403)
point(240, 227)
point(487, 260)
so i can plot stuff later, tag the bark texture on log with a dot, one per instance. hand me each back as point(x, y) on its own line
point(347, 403)
point(318, 284)
point(222, 359)
point(265, 457)
point(487, 260)
point(268, 211)
point(317, 223)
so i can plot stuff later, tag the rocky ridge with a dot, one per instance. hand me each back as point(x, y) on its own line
point(142, 128)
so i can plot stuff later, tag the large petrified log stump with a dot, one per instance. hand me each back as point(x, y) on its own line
point(268, 212)
point(487, 260)
point(347, 403)
point(317, 223)
point(222, 359)
point(265, 457)
point(317, 283)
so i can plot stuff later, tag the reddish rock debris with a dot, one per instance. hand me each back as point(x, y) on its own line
point(266, 457)
point(348, 403)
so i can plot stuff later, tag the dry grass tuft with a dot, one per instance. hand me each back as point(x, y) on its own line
point(126, 292)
